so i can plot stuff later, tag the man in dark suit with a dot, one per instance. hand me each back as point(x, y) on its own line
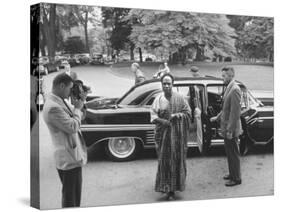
point(70, 153)
point(230, 124)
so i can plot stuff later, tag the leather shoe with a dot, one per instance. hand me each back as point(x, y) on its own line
point(233, 182)
point(227, 177)
point(170, 196)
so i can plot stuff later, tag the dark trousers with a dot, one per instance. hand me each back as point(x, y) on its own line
point(71, 186)
point(232, 153)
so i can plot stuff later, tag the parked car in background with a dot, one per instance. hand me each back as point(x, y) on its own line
point(97, 59)
point(52, 66)
point(64, 64)
point(40, 70)
point(44, 60)
point(83, 58)
point(148, 59)
point(73, 60)
point(123, 126)
point(123, 57)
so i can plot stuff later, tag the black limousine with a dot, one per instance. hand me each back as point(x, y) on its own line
point(123, 125)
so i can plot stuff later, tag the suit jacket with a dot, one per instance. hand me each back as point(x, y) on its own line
point(64, 125)
point(231, 110)
point(139, 77)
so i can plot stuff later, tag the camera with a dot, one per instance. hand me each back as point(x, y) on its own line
point(79, 89)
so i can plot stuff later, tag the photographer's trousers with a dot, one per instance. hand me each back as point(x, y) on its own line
point(71, 186)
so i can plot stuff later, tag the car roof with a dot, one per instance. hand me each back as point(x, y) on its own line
point(204, 80)
point(181, 80)
point(196, 80)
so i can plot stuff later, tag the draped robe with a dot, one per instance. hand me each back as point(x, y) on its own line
point(171, 142)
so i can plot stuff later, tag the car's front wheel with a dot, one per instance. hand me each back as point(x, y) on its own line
point(121, 149)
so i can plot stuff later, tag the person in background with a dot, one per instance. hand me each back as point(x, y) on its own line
point(194, 70)
point(69, 147)
point(67, 67)
point(163, 69)
point(170, 113)
point(139, 76)
point(231, 127)
point(166, 68)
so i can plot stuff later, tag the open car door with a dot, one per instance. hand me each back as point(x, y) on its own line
point(194, 96)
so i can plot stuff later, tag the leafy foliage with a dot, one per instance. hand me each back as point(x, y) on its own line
point(84, 15)
point(256, 38)
point(113, 18)
point(74, 45)
point(179, 31)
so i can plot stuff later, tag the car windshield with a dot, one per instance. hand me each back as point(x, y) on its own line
point(138, 93)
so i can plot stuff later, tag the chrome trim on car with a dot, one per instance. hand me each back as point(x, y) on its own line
point(258, 119)
point(265, 142)
point(115, 127)
point(253, 121)
point(107, 138)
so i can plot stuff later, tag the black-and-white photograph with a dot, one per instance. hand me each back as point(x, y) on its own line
point(133, 106)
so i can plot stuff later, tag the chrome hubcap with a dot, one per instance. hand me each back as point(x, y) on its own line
point(121, 147)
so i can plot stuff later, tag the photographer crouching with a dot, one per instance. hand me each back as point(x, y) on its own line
point(63, 121)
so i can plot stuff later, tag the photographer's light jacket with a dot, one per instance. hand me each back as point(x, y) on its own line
point(64, 125)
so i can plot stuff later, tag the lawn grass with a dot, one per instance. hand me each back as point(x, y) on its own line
point(254, 76)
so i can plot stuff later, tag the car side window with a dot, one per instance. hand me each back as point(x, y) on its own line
point(150, 102)
point(215, 94)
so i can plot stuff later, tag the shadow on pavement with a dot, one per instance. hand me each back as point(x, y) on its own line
point(25, 201)
point(98, 153)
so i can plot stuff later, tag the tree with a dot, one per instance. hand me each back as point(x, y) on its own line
point(179, 31)
point(48, 23)
point(255, 36)
point(74, 45)
point(120, 29)
point(34, 30)
point(85, 14)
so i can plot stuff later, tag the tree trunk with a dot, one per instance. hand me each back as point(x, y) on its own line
point(50, 32)
point(34, 31)
point(174, 58)
point(199, 53)
point(140, 52)
point(132, 47)
point(52, 51)
point(42, 41)
point(182, 55)
point(86, 32)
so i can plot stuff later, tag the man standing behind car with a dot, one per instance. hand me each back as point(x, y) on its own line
point(69, 147)
point(139, 76)
point(230, 124)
